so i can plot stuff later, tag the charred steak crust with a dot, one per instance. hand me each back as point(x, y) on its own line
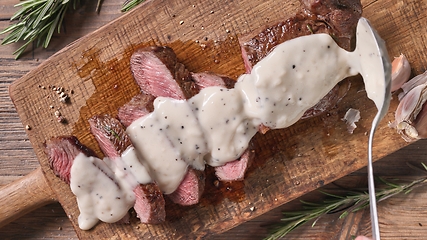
point(337, 18)
point(61, 152)
point(340, 15)
point(229, 82)
point(111, 135)
point(150, 207)
point(259, 46)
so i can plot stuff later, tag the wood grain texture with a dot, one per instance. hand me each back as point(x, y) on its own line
point(287, 159)
point(96, 69)
point(23, 196)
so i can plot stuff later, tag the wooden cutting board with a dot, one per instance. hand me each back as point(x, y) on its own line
point(95, 73)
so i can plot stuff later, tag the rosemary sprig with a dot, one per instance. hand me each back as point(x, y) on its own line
point(129, 4)
point(353, 202)
point(36, 21)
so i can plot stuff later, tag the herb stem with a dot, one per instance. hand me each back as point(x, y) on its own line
point(353, 202)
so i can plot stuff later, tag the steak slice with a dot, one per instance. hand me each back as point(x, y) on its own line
point(158, 72)
point(207, 79)
point(110, 135)
point(138, 106)
point(340, 15)
point(191, 188)
point(188, 191)
point(113, 140)
point(61, 152)
point(337, 18)
point(235, 170)
point(150, 204)
point(328, 101)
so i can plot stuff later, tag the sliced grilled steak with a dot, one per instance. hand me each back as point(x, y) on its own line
point(158, 72)
point(191, 188)
point(235, 170)
point(187, 191)
point(337, 18)
point(61, 152)
point(138, 106)
point(113, 140)
point(150, 204)
point(110, 135)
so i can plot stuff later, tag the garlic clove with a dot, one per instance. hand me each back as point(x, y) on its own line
point(408, 104)
point(411, 114)
point(400, 72)
point(414, 82)
point(420, 122)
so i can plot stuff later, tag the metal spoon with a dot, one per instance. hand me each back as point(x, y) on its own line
point(377, 76)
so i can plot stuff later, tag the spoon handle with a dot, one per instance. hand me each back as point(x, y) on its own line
point(371, 185)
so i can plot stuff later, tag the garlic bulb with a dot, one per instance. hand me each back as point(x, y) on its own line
point(400, 72)
point(411, 114)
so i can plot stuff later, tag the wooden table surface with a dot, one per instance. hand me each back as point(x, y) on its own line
point(401, 217)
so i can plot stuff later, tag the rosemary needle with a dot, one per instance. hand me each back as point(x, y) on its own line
point(129, 4)
point(36, 21)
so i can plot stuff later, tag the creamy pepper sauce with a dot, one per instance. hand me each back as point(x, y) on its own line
point(216, 125)
point(101, 194)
